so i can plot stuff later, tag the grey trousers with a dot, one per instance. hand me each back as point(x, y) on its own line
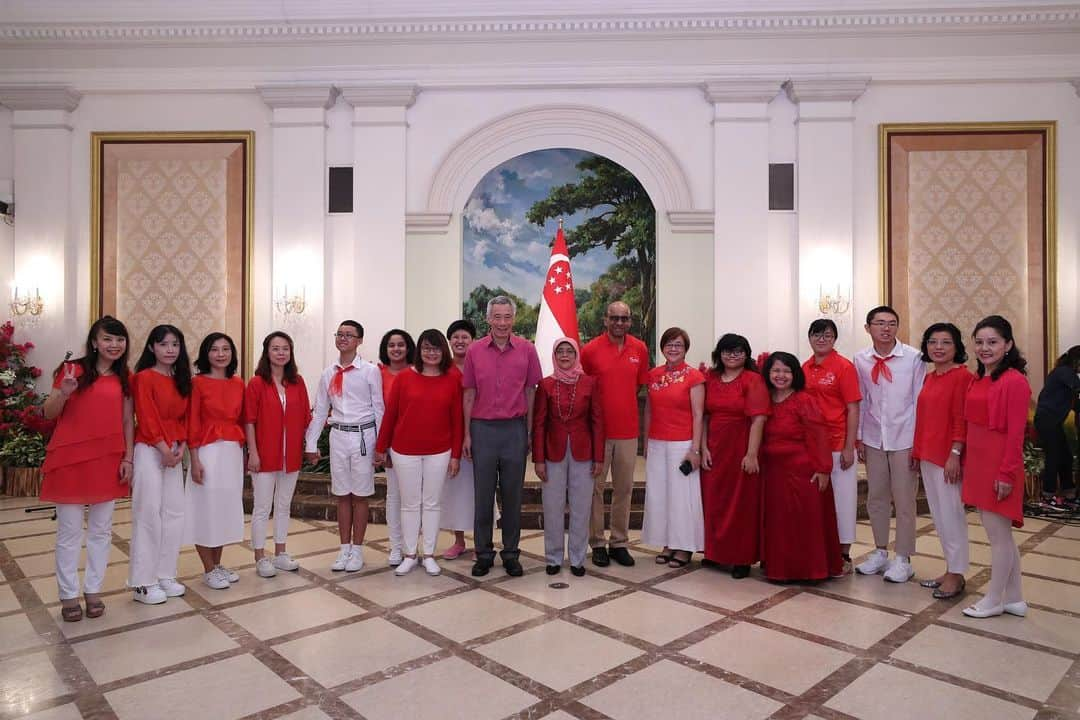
point(499, 451)
point(567, 479)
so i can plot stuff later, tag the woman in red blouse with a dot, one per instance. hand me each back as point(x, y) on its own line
point(736, 403)
point(939, 442)
point(799, 536)
point(996, 413)
point(276, 413)
point(423, 432)
point(673, 419)
point(162, 386)
point(88, 460)
point(568, 452)
point(214, 515)
point(397, 352)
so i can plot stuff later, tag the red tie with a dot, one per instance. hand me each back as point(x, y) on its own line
point(339, 379)
point(881, 368)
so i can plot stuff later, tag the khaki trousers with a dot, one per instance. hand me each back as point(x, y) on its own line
point(620, 457)
point(891, 482)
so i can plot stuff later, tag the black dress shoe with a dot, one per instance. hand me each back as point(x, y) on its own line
point(480, 568)
point(740, 571)
point(577, 570)
point(622, 556)
point(553, 569)
point(513, 567)
point(600, 557)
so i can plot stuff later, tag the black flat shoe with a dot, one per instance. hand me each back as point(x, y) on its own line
point(577, 570)
point(553, 569)
point(600, 557)
point(622, 556)
point(740, 571)
point(480, 568)
point(513, 567)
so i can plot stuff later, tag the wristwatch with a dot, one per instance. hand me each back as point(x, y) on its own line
point(955, 451)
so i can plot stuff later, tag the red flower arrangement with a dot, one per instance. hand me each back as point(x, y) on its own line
point(20, 403)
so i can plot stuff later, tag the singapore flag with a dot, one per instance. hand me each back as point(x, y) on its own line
point(558, 311)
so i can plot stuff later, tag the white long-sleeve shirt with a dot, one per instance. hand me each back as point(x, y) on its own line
point(361, 400)
point(887, 410)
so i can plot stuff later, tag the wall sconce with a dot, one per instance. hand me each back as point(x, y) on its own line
point(836, 304)
point(23, 303)
point(292, 304)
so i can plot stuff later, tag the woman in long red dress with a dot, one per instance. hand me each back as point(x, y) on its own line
point(89, 460)
point(397, 352)
point(993, 479)
point(736, 404)
point(799, 536)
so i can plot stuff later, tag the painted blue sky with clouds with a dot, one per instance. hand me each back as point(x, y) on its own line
point(501, 247)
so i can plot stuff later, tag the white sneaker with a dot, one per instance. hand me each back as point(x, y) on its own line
point(265, 567)
point(228, 574)
point(216, 580)
point(899, 570)
point(395, 557)
point(877, 562)
point(284, 561)
point(171, 587)
point(341, 560)
point(149, 594)
point(431, 567)
point(405, 566)
point(355, 561)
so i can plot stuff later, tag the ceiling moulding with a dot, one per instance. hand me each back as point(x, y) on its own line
point(39, 97)
point(293, 95)
point(691, 221)
point(826, 89)
point(1017, 18)
point(380, 95)
point(427, 223)
point(742, 90)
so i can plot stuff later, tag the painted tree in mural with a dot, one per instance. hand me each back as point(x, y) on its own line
point(625, 223)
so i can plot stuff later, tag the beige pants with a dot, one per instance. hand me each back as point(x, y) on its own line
point(620, 456)
point(891, 482)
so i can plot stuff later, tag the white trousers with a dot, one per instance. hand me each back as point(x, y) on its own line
point(674, 517)
point(420, 482)
point(271, 489)
point(157, 517)
point(393, 509)
point(950, 519)
point(845, 485)
point(69, 538)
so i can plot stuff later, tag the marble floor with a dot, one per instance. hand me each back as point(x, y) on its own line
point(623, 643)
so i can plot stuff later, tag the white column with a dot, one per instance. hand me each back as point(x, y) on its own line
point(741, 206)
point(298, 178)
point(825, 206)
point(379, 147)
point(45, 249)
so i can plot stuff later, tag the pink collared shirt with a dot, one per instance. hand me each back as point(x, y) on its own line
point(501, 377)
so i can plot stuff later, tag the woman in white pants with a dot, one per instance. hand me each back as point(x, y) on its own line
point(459, 494)
point(568, 452)
point(423, 431)
point(940, 433)
point(397, 352)
point(161, 387)
point(276, 415)
point(88, 460)
point(214, 504)
point(674, 412)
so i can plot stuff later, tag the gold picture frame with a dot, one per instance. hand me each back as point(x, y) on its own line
point(186, 209)
point(933, 221)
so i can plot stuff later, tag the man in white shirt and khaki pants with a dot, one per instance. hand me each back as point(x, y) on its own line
point(891, 375)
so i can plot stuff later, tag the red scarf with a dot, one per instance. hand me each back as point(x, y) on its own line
point(336, 384)
point(881, 368)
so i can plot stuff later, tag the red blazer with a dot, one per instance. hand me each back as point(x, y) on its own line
point(262, 408)
point(585, 425)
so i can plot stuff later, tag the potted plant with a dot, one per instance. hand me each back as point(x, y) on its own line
point(22, 453)
point(24, 432)
point(1034, 462)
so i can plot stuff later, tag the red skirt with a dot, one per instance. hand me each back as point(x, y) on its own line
point(731, 498)
point(799, 535)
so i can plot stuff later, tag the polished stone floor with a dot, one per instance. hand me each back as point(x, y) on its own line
point(623, 643)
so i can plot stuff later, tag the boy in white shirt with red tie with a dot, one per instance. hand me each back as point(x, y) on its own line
point(352, 389)
point(891, 375)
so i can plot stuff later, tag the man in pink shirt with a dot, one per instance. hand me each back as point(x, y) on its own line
point(501, 373)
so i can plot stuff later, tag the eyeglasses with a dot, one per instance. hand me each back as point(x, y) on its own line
point(822, 336)
point(345, 336)
point(885, 323)
point(734, 352)
point(619, 318)
point(674, 346)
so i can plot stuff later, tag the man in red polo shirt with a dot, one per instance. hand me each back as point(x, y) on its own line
point(620, 362)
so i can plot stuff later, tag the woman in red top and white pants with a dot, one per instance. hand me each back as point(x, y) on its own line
point(397, 352)
point(939, 442)
point(162, 386)
point(277, 412)
point(214, 513)
point(423, 431)
point(568, 450)
point(88, 460)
